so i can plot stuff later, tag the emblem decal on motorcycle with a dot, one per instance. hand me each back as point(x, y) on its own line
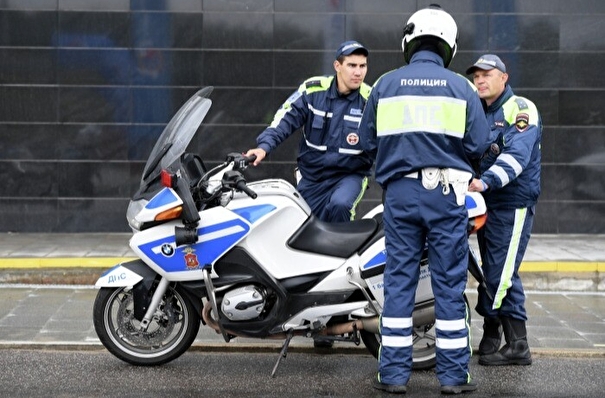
point(167, 250)
point(522, 122)
point(352, 139)
point(191, 260)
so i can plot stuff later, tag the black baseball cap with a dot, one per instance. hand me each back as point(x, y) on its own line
point(349, 47)
point(487, 62)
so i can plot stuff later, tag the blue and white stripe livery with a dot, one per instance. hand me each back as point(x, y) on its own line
point(220, 229)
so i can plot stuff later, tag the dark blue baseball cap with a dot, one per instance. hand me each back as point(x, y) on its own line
point(349, 47)
point(487, 62)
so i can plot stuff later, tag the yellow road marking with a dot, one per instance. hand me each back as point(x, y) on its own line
point(62, 262)
point(562, 266)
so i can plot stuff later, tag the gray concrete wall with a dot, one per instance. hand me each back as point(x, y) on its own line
point(86, 88)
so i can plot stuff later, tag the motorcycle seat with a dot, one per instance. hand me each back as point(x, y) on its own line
point(333, 239)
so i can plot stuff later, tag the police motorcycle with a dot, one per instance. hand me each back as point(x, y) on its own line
point(245, 259)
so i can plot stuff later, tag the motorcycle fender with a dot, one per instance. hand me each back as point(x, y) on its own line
point(135, 274)
point(125, 274)
point(195, 292)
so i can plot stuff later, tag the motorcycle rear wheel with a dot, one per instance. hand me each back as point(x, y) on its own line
point(171, 331)
point(424, 350)
point(424, 340)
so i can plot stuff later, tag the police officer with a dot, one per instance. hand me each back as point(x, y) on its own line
point(424, 124)
point(332, 166)
point(510, 180)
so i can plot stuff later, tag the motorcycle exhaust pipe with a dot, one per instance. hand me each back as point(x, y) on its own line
point(424, 315)
point(421, 316)
point(350, 327)
point(371, 324)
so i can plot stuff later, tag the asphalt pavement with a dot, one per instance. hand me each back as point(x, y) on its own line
point(78, 374)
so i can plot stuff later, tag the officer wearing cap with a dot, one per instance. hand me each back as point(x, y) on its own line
point(510, 181)
point(333, 167)
point(424, 124)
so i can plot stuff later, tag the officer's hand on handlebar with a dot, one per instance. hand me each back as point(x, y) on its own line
point(259, 153)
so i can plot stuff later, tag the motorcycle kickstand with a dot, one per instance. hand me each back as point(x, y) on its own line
point(283, 352)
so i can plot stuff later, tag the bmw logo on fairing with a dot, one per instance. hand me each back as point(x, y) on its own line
point(167, 250)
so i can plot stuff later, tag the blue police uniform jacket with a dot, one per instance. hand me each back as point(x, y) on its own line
point(511, 167)
point(330, 144)
point(423, 115)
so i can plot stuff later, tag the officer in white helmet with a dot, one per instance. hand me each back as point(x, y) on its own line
point(424, 126)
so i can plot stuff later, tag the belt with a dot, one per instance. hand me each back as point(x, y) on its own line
point(415, 175)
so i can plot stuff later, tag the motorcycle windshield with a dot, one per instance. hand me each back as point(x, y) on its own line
point(177, 135)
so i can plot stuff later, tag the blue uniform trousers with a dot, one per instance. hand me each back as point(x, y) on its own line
point(414, 216)
point(334, 199)
point(502, 243)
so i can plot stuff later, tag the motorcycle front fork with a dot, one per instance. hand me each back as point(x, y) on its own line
point(155, 302)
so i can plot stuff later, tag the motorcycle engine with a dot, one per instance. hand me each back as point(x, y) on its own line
point(243, 303)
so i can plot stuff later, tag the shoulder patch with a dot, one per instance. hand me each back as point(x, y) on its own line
point(520, 109)
point(521, 103)
point(313, 83)
point(317, 83)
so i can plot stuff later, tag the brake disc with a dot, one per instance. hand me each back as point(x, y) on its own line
point(161, 326)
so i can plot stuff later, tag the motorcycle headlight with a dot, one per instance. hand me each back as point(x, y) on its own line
point(134, 208)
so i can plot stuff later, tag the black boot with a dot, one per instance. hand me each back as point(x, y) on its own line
point(322, 343)
point(515, 351)
point(492, 336)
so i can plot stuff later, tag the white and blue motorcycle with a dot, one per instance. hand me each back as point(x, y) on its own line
point(246, 259)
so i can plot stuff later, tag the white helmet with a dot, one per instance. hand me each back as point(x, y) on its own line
point(424, 26)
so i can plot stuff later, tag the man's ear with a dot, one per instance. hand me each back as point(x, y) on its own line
point(337, 65)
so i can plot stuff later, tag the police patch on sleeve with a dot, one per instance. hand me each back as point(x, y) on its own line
point(352, 139)
point(295, 95)
point(522, 122)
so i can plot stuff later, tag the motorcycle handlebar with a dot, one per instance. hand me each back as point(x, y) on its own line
point(250, 159)
point(240, 161)
point(241, 185)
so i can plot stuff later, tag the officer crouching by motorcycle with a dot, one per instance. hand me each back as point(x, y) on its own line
point(333, 170)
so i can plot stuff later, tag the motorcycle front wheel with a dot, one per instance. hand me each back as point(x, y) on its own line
point(170, 333)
